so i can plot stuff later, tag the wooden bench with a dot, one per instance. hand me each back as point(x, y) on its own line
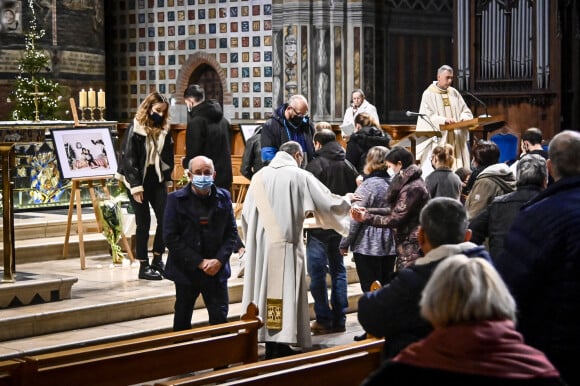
point(316, 363)
point(10, 371)
point(152, 357)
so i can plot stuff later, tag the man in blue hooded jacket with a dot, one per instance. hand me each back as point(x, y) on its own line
point(289, 122)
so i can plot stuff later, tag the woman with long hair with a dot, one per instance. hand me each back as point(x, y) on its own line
point(406, 196)
point(145, 166)
point(442, 182)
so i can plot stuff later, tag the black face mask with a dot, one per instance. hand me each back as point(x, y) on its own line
point(296, 121)
point(156, 118)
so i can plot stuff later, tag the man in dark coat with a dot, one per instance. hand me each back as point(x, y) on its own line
point(252, 157)
point(208, 133)
point(393, 310)
point(290, 122)
point(323, 245)
point(200, 233)
point(495, 220)
point(541, 261)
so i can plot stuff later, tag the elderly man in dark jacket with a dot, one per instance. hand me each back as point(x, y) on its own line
point(208, 133)
point(541, 261)
point(289, 122)
point(495, 220)
point(393, 310)
point(323, 245)
point(200, 233)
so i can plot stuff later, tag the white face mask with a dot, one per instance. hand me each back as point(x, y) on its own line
point(391, 172)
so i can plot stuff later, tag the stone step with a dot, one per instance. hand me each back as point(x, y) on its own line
point(105, 295)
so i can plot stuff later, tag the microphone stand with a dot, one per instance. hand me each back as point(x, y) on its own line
point(478, 101)
point(428, 120)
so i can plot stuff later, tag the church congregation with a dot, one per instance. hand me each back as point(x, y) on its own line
point(301, 192)
point(306, 174)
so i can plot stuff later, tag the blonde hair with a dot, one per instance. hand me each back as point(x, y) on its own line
point(445, 155)
point(142, 116)
point(376, 159)
point(322, 125)
point(466, 290)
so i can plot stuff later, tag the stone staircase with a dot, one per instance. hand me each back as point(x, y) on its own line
point(106, 302)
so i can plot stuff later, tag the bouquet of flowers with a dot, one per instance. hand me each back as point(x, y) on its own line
point(111, 221)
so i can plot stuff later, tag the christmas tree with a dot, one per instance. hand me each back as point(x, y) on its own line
point(35, 96)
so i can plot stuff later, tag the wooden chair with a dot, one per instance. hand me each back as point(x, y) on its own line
point(239, 189)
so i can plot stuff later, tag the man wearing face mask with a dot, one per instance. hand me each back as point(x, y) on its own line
point(289, 122)
point(200, 233)
point(208, 133)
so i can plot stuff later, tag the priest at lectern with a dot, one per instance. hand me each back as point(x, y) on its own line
point(442, 104)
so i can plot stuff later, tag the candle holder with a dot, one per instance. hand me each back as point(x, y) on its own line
point(102, 112)
point(92, 110)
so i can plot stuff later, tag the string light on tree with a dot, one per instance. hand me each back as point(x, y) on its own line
point(34, 95)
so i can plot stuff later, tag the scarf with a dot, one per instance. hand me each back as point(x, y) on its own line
point(490, 348)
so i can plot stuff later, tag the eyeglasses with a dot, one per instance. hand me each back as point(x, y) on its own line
point(298, 114)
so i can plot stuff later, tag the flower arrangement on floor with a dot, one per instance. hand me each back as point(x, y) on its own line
point(111, 218)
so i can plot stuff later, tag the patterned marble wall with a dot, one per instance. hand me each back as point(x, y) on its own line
point(154, 38)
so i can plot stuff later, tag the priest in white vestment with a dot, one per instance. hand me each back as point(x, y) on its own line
point(442, 104)
point(278, 200)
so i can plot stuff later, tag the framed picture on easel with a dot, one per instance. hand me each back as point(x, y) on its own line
point(84, 153)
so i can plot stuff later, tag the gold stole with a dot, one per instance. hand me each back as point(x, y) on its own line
point(447, 109)
point(278, 249)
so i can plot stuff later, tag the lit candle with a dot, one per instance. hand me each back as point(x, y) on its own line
point(82, 99)
point(101, 98)
point(92, 98)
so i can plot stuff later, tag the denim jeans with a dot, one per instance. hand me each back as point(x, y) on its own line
point(323, 256)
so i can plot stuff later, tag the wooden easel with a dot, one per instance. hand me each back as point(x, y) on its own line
point(75, 199)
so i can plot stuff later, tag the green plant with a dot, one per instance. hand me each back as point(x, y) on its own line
point(35, 96)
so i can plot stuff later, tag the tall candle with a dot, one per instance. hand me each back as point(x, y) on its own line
point(82, 99)
point(101, 98)
point(92, 98)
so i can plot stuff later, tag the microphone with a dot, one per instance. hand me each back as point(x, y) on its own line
point(478, 101)
point(413, 114)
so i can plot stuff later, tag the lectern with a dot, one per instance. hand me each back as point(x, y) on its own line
point(483, 124)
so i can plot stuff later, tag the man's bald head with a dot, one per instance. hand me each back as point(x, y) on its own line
point(200, 163)
point(564, 155)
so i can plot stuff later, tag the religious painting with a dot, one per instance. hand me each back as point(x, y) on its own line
point(84, 153)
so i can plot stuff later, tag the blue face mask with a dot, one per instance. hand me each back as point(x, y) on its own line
point(202, 182)
point(156, 118)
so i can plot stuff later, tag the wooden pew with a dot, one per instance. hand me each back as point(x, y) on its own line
point(369, 349)
point(10, 371)
point(346, 370)
point(152, 357)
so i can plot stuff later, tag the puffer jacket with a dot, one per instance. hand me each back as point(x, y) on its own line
point(406, 197)
point(493, 181)
point(208, 134)
point(541, 266)
point(360, 142)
